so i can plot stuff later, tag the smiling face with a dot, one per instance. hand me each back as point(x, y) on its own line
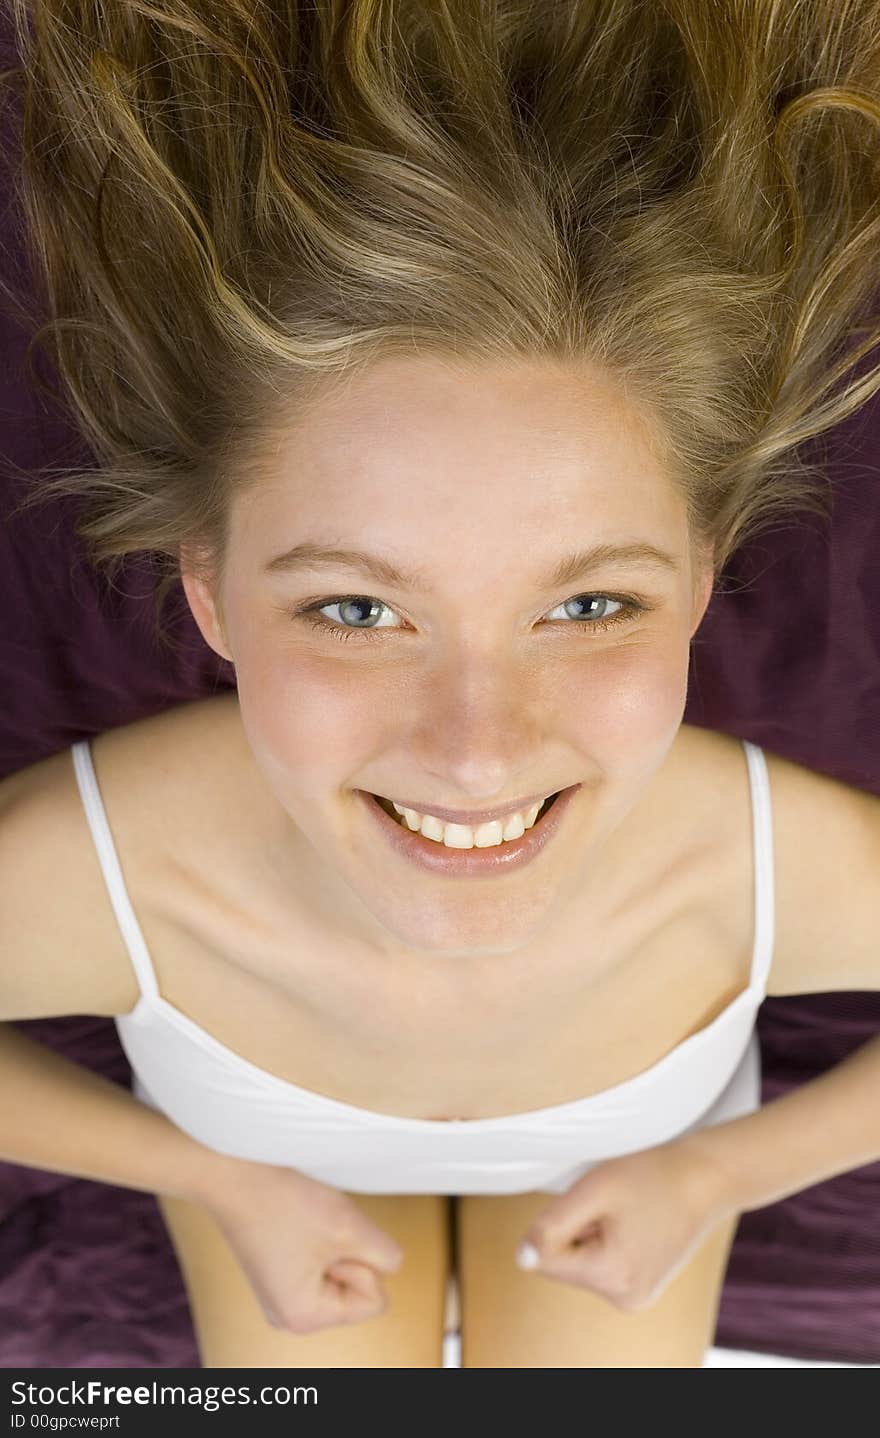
point(476, 678)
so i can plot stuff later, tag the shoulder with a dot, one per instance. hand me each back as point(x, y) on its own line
point(708, 748)
point(157, 774)
point(62, 950)
point(825, 858)
point(826, 841)
point(185, 803)
point(709, 771)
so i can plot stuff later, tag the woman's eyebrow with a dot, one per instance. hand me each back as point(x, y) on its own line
point(568, 570)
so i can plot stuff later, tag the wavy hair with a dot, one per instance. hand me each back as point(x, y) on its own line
point(227, 207)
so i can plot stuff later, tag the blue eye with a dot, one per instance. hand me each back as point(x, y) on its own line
point(598, 618)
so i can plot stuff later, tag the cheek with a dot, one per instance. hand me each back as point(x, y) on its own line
point(306, 720)
point(629, 703)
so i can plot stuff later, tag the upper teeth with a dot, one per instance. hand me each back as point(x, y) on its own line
point(466, 836)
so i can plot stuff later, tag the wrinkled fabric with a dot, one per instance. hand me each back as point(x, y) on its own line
point(787, 656)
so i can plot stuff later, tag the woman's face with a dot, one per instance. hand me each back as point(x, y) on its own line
point(477, 679)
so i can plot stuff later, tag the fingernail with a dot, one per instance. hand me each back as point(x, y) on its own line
point(527, 1256)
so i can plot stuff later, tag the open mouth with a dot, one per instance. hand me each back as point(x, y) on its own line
point(390, 810)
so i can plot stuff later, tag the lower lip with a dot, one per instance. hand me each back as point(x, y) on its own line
point(471, 863)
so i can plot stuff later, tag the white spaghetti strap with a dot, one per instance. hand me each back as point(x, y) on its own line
point(109, 861)
point(762, 840)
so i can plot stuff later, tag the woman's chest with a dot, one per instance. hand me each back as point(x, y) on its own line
point(555, 1027)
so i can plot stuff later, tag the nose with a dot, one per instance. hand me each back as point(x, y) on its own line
point(480, 731)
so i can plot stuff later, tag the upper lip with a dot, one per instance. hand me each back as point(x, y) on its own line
point(475, 816)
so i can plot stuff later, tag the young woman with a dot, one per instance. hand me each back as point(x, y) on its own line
point(445, 353)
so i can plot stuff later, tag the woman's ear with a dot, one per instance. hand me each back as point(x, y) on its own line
point(704, 584)
point(200, 588)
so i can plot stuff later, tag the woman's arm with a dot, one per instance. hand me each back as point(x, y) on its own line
point(627, 1227)
point(64, 1118)
point(827, 1126)
point(826, 938)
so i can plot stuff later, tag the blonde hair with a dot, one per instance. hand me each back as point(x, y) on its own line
point(227, 206)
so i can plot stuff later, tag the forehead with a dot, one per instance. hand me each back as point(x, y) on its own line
point(442, 453)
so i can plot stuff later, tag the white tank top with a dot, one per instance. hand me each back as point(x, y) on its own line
point(234, 1107)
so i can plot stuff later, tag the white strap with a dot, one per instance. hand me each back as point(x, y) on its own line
point(110, 867)
point(762, 841)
